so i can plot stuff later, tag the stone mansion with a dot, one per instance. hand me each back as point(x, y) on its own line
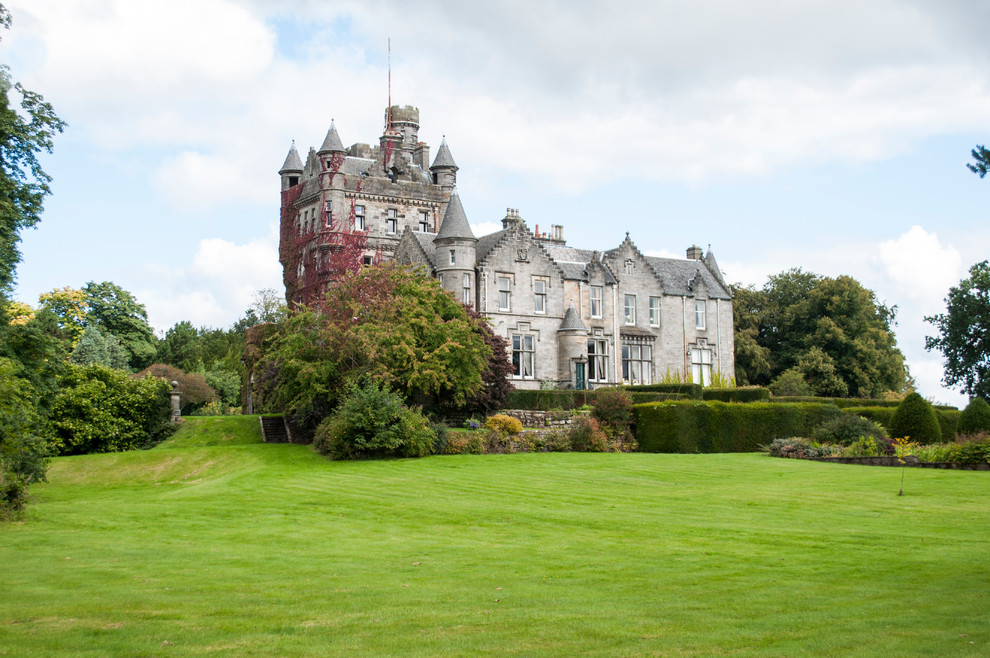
point(573, 318)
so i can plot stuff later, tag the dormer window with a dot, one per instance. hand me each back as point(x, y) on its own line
point(424, 222)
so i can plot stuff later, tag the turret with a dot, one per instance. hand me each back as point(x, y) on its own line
point(456, 250)
point(572, 350)
point(443, 168)
point(292, 168)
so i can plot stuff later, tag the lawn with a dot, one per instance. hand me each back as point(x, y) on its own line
point(215, 543)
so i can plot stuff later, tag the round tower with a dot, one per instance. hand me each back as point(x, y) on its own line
point(456, 251)
point(404, 119)
point(292, 169)
point(443, 169)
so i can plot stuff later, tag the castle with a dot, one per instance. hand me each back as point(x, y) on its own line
point(573, 318)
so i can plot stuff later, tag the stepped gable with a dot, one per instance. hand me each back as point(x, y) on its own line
point(487, 243)
point(609, 255)
point(455, 223)
point(293, 163)
point(572, 321)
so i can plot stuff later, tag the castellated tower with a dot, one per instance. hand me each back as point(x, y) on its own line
point(456, 252)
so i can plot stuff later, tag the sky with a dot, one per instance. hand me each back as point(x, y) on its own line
point(828, 135)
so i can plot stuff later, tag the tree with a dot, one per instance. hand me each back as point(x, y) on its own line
point(23, 183)
point(68, 307)
point(387, 324)
point(982, 157)
point(181, 347)
point(964, 333)
point(832, 334)
point(116, 312)
point(96, 348)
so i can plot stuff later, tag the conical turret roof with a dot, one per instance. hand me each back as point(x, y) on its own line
point(572, 321)
point(455, 223)
point(332, 141)
point(444, 158)
point(292, 163)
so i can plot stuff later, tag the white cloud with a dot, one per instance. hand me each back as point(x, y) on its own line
point(217, 287)
point(919, 265)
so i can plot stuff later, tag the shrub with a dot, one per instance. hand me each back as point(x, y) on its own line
point(868, 446)
point(935, 452)
point(737, 394)
point(104, 410)
point(796, 448)
point(24, 440)
point(373, 422)
point(442, 433)
point(693, 426)
point(847, 428)
point(586, 435)
point(973, 452)
point(194, 389)
point(790, 382)
point(504, 424)
point(975, 417)
point(915, 418)
point(612, 408)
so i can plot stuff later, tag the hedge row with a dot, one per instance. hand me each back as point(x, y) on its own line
point(689, 391)
point(546, 400)
point(844, 403)
point(947, 418)
point(738, 394)
point(692, 426)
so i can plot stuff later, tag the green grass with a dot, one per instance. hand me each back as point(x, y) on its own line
point(214, 543)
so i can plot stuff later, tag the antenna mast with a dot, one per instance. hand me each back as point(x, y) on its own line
point(388, 112)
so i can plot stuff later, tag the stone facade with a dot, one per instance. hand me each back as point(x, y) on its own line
point(574, 318)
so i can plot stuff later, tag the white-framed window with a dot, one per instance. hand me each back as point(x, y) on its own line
point(466, 289)
point(700, 309)
point(539, 296)
point(701, 366)
point(359, 223)
point(453, 257)
point(654, 311)
point(596, 301)
point(504, 293)
point(328, 208)
point(630, 309)
point(597, 360)
point(523, 350)
point(391, 225)
point(637, 363)
point(424, 221)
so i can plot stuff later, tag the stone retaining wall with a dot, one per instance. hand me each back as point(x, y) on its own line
point(552, 419)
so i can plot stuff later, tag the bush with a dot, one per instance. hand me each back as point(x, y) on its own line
point(24, 440)
point(104, 410)
point(847, 428)
point(504, 424)
point(194, 389)
point(688, 390)
point(612, 408)
point(868, 446)
point(737, 394)
point(914, 418)
point(975, 417)
point(586, 435)
point(796, 448)
point(373, 422)
point(790, 382)
point(704, 427)
point(973, 452)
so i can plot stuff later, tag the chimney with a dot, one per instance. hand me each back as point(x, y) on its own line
point(694, 252)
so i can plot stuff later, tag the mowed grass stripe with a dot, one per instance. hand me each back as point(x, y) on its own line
point(251, 549)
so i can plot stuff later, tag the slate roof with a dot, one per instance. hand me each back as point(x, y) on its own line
point(572, 321)
point(486, 243)
point(293, 162)
point(677, 274)
point(455, 222)
point(332, 141)
point(426, 242)
point(444, 158)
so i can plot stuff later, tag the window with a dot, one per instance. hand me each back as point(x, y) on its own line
point(597, 360)
point(329, 210)
point(701, 366)
point(630, 309)
point(522, 356)
point(637, 363)
point(391, 225)
point(466, 292)
point(540, 296)
point(654, 311)
point(596, 301)
point(359, 218)
point(367, 260)
point(699, 314)
point(453, 257)
point(629, 266)
point(504, 293)
point(424, 221)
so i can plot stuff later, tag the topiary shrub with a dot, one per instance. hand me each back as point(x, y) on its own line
point(915, 418)
point(503, 423)
point(974, 418)
point(372, 421)
point(847, 428)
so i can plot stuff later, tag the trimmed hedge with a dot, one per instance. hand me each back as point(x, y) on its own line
point(947, 418)
point(546, 400)
point(844, 403)
point(705, 427)
point(738, 394)
point(691, 391)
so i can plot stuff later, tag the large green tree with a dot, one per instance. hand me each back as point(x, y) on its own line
point(964, 333)
point(832, 332)
point(387, 324)
point(23, 183)
point(116, 312)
